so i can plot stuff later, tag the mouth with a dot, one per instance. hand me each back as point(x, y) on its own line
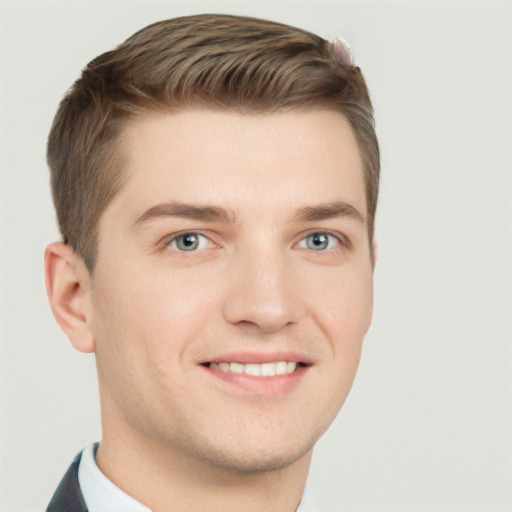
point(269, 369)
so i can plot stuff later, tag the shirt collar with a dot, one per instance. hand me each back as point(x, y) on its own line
point(308, 502)
point(101, 495)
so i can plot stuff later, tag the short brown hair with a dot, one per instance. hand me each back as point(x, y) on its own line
point(215, 61)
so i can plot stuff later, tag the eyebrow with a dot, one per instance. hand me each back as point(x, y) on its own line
point(208, 213)
point(329, 211)
point(187, 211)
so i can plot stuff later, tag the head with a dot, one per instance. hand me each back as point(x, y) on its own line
point(225, 63)
point(215, 180)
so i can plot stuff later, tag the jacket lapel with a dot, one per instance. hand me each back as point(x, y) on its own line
point(67, 497)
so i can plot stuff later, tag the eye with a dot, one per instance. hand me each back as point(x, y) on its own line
point(189, 242)
point(319, 242)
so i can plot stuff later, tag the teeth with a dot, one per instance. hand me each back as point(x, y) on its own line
point(282, 368)
point(224, 367)
point(268, 370)
point(236, 368)
point(256, 370)
point(253, 369)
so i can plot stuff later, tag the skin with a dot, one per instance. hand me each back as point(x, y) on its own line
point(255, 289)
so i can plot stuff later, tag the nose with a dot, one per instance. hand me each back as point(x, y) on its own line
point(263, 292)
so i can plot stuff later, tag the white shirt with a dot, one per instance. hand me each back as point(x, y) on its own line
point(101, 495)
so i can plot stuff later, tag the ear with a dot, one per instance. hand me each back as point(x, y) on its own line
point(68, 284)
point(373, 257)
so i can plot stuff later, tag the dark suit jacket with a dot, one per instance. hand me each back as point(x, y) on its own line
point(67, 497)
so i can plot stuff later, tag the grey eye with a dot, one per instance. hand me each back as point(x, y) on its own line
point(186, 242)
point(317, 241)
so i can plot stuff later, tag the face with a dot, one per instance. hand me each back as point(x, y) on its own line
point(233, 285)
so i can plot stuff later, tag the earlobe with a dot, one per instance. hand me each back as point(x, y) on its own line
point(68, 286)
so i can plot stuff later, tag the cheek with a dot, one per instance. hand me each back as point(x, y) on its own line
point(347, 319)
point(346, 306)
point(344, 317)
point(151, 317)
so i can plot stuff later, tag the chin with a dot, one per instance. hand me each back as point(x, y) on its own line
point(249, 458)
point(253, 464)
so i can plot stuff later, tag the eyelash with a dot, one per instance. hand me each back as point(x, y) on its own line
point(204, 241)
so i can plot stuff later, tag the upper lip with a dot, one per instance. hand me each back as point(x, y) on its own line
point(259, 357)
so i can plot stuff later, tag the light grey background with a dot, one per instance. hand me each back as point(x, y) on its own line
point(428, 424)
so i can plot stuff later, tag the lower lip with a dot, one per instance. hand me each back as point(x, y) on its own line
point(278, 385)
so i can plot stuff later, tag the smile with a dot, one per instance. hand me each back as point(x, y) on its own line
point(255, 369)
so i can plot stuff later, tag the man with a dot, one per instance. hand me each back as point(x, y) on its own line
point(215, 180)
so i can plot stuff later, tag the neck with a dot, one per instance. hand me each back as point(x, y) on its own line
point(165, 481)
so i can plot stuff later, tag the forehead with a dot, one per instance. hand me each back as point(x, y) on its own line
point(218, 157)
